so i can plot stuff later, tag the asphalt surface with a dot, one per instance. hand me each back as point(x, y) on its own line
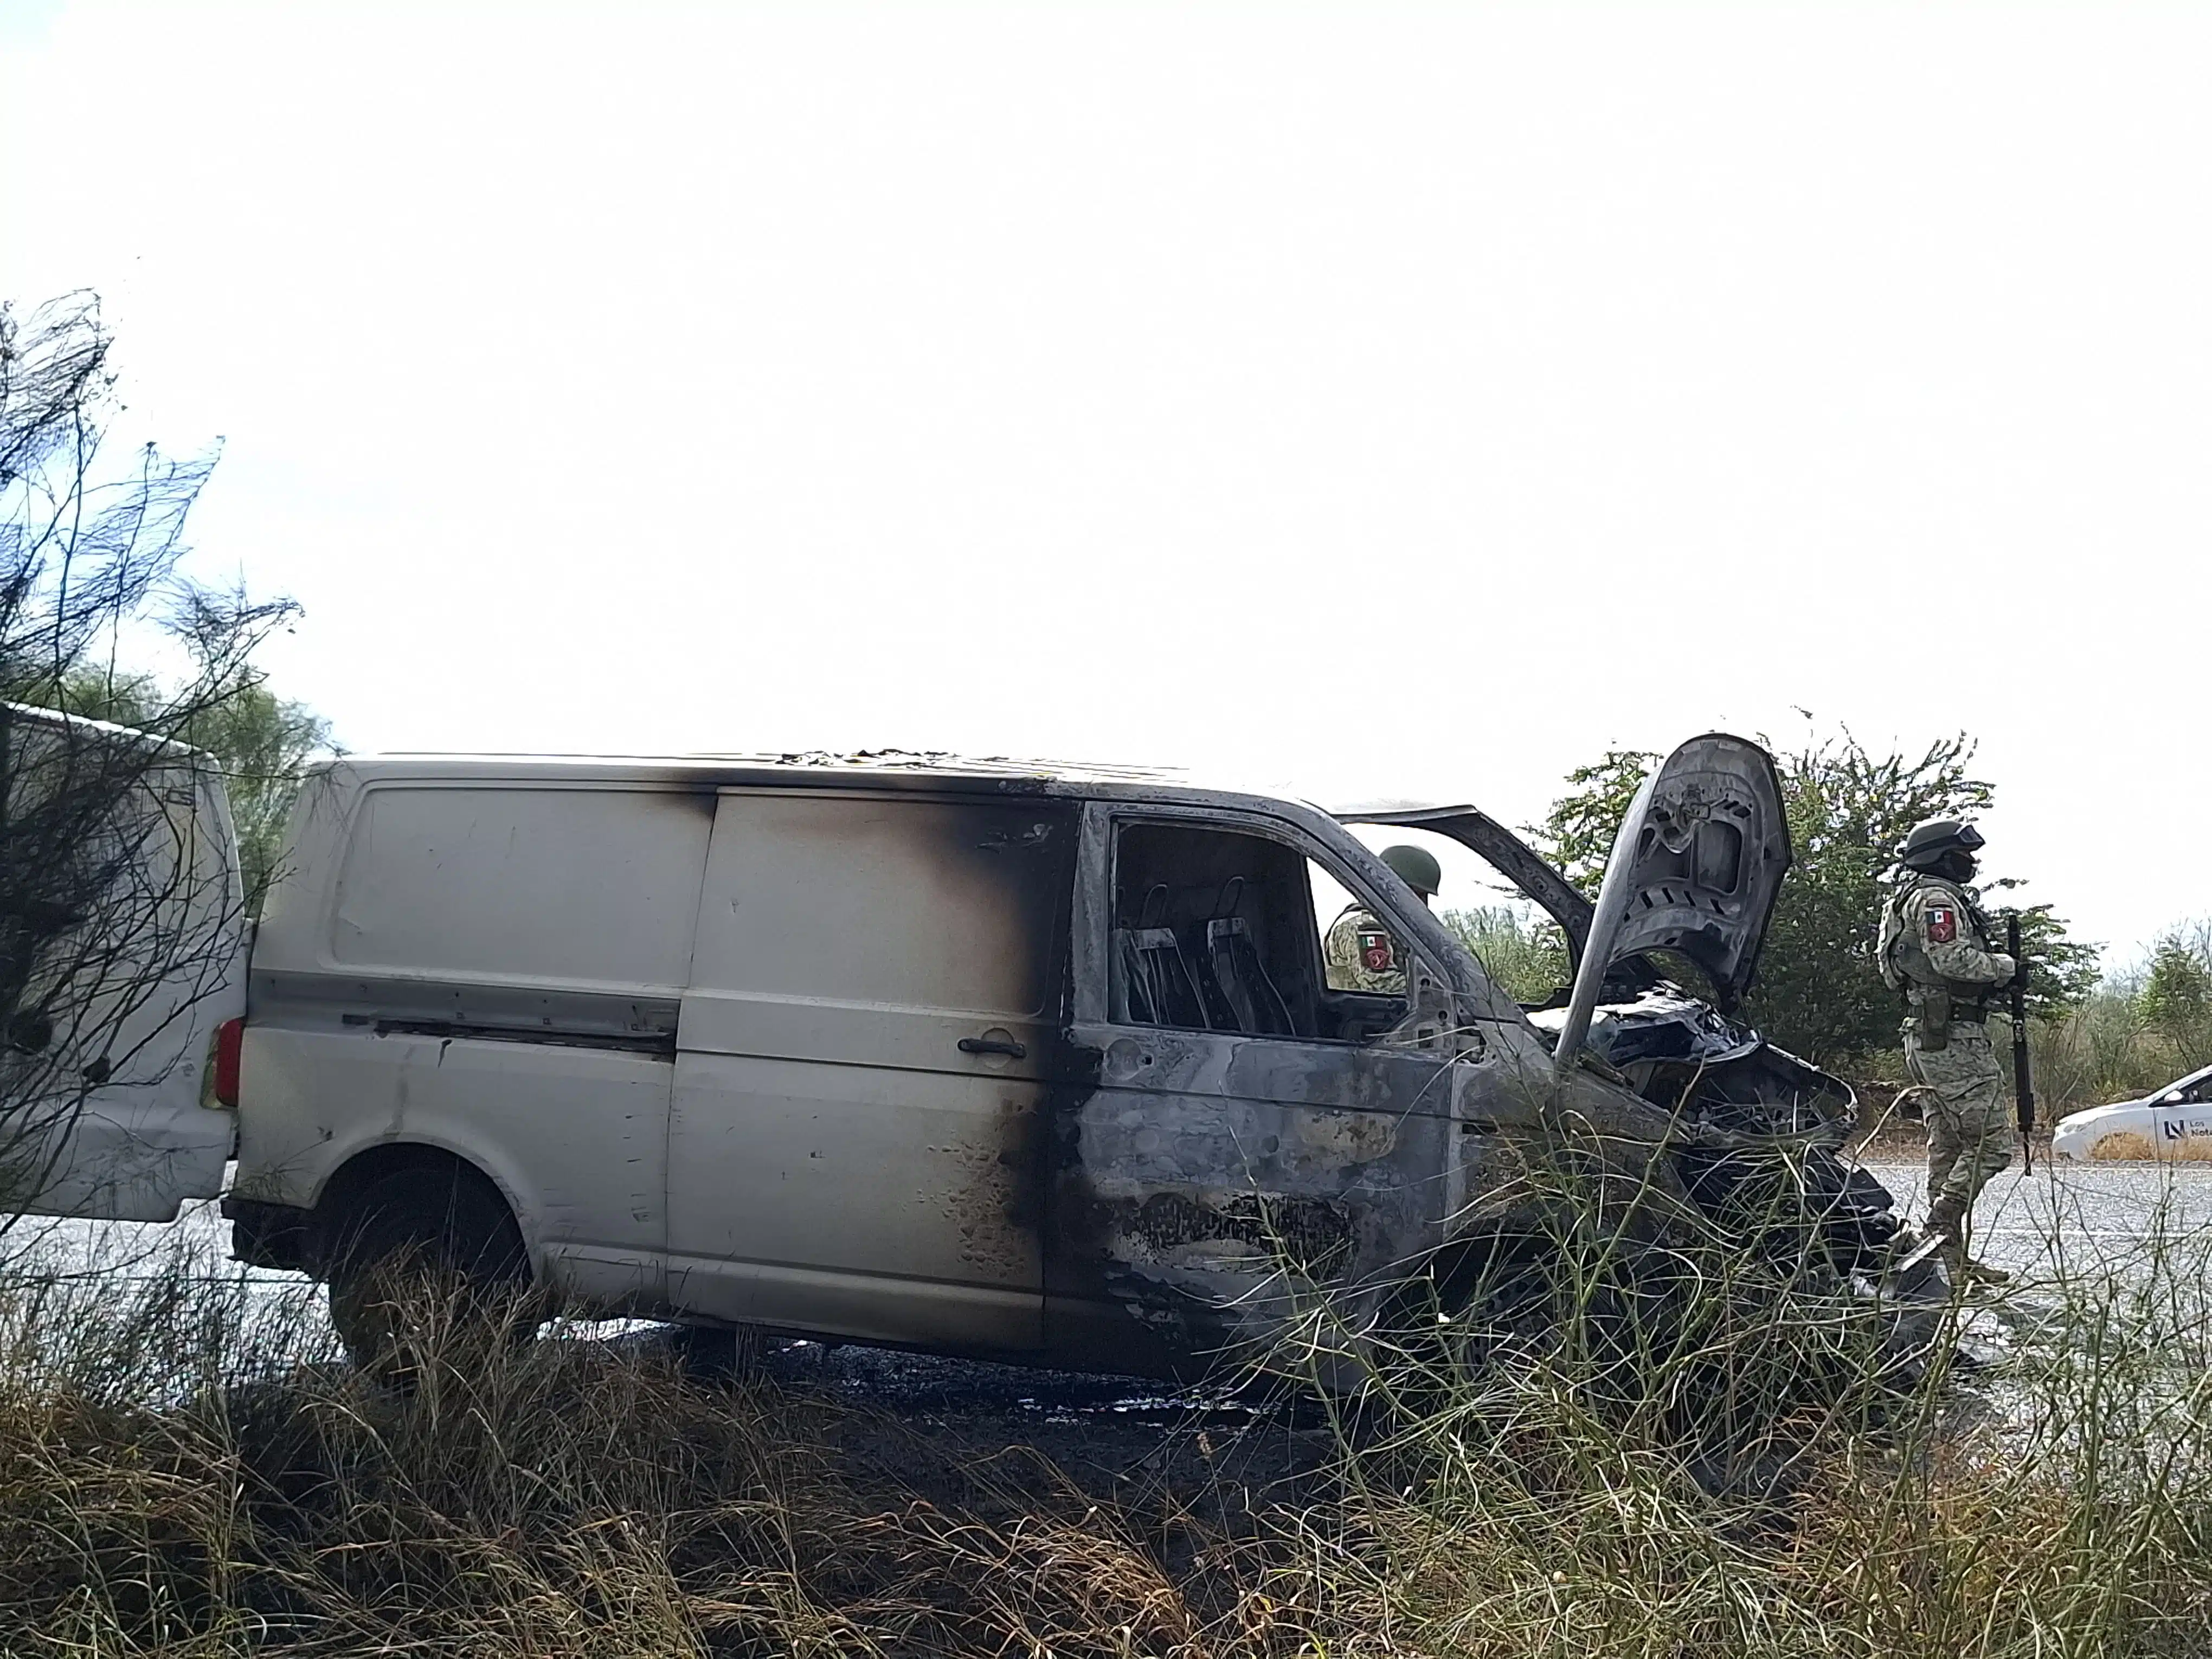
point(198, 1241)
point(2067, 1217)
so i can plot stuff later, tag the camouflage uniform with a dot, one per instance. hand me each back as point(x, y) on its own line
point(1935, 946)
point(1360, 955)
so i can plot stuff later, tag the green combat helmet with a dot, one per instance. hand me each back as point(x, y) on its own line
point(1419, 870)
point(1925, 846)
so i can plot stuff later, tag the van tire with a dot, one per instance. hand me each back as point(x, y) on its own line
point(418, 1239)
point(1450, 1323)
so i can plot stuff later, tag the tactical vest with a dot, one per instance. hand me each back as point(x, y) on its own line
point(1905, 967)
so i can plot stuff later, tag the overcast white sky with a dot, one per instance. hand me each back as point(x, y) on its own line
point(1384, 400)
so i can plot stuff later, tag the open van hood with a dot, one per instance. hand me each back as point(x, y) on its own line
point(1698, 863)
point(1697, 866)
point(1695, 870)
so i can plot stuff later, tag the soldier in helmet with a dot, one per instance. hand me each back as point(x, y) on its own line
point(1360, 953)
point(1935, 947)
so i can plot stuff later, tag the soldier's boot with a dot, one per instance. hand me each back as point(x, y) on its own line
point(1944, 1215)
point(1964, 1270)
point(1947, 1222)
point(1967, 1271)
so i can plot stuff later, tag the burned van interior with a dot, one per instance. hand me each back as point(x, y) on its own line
point(1215, 931)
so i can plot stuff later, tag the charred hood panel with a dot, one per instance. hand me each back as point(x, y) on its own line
point(1706, 845)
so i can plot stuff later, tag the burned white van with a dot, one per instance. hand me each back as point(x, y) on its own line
point(969, 1056)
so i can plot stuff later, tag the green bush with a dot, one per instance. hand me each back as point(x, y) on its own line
point(1522, 950)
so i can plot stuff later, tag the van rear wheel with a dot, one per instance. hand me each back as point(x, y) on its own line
point(423, 1258)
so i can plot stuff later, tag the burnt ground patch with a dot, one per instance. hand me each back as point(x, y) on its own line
point(967, 1432)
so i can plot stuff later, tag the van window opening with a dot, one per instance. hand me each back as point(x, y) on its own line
point(1216, 930)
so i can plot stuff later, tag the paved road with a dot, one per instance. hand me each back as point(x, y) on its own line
point(198, 1240)
point(2074, 1215)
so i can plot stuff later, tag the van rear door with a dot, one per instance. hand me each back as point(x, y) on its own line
point(127, 972)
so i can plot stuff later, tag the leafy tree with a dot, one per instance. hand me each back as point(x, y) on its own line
point(264, 743)
point(2176, 1000)
point(1818, 990)
point(1576, 834)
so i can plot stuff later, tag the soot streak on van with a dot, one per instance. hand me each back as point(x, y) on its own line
point(1023, 874)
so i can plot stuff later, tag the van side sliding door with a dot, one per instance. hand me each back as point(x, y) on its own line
point(861, 1063)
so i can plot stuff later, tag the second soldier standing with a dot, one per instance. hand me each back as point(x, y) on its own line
point(1935, 947)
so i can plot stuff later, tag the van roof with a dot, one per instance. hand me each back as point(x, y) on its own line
point(858, 768)
point(863, 769)
point(813, 762)
point(60, 721)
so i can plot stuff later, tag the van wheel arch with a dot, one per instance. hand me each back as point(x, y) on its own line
point(406, 1210)
point(434, 1171)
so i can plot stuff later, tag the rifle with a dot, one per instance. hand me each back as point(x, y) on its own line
point(2023, 1086)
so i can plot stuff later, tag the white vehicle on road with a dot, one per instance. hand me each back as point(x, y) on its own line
point(2174, 1122)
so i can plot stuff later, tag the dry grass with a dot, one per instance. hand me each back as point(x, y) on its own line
point(186, 1470)
point(172, 1482)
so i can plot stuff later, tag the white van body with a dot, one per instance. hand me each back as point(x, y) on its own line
point(105, 1067)
point(837, 1049)
point(978, 1057)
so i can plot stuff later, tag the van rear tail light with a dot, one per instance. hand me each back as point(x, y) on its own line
point(229, 1039)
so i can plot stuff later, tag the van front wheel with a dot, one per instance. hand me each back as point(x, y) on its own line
point(420, 1258)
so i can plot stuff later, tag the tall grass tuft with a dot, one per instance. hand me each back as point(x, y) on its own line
point(186, 1469)
point(1703, 1450)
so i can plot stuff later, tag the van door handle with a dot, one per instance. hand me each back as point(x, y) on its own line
point(987, 1045)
